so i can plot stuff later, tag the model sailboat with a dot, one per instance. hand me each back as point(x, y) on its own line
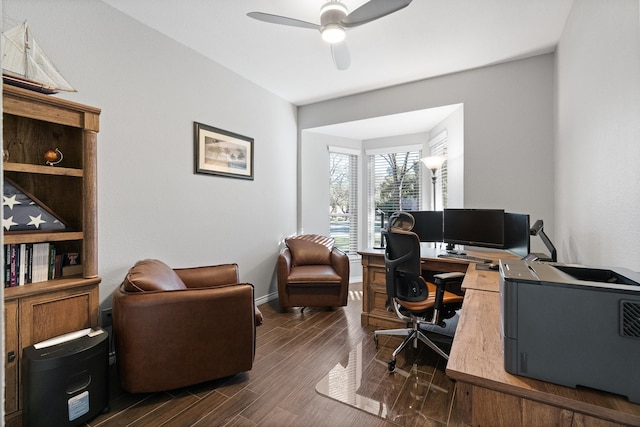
point(24, 63)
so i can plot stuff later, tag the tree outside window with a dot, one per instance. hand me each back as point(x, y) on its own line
point(395, 185)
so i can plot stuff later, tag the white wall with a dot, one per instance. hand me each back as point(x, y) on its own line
point(314, 179)
point(508, 129)
point(598, 135)
point(151, 90)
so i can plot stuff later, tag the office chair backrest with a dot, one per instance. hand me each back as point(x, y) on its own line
point(402, 260)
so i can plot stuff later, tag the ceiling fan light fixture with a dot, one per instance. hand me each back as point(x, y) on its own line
point(333, 33)
point(331, 13)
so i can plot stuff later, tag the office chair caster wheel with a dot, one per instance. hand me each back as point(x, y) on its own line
point(391, 365)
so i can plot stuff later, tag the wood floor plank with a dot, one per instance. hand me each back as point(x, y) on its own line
point(198, 410)
point(280, 417)
point(164, 413)
point(225, 412)
point(138, 411)
point(240, 421)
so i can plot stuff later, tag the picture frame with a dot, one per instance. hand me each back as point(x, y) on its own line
point(223, 153)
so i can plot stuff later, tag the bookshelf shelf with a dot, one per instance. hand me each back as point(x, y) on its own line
point(30, 237)
point(39, 169)
point(34, 123)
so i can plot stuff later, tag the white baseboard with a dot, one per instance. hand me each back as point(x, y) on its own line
point(267, 298)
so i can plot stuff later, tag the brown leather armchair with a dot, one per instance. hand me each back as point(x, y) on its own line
point(312, 272)
point(178, 327)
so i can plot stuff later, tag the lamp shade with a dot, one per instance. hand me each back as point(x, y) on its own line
point(433, 162)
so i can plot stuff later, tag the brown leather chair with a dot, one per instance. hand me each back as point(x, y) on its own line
point(312, 272)
point(178, 327)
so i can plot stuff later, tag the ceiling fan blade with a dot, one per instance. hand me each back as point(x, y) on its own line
point(341, 56)
point(282, 20)
point(373, 10)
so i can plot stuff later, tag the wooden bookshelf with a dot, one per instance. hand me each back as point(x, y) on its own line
point(32, 124)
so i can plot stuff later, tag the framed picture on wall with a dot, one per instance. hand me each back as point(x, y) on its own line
point(224, 153)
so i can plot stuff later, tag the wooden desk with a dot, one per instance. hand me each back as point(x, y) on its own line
point(488, 395)
point(374, 283)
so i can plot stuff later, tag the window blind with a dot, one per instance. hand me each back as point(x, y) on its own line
point(343, 200)
point(394, 184)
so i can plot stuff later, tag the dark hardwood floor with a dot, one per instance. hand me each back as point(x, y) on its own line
point(294, 352)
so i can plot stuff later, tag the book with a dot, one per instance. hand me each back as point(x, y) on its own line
point(22, 266)
point(7, 266)
point(15, 262)
point(40, 263)
point(29, 263)
point(52, 263)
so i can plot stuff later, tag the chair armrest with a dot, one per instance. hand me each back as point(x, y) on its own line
point(284, 263)
point(208, 276)
point(340, 263)
point(283, 269)
point(441, 281)
point(447, 277)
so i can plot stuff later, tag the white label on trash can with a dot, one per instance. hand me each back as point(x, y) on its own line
point(78, 405)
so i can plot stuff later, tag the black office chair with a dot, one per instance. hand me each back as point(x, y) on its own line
point(413, 299)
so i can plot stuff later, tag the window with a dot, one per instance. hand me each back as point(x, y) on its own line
point(438, 147)
point(394, 185)
point(343, 198)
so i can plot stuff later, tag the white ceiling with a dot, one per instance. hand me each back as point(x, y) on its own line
point(426, 39)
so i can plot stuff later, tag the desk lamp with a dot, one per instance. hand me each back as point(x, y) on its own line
point(433, 163)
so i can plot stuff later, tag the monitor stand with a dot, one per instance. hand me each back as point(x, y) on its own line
point(451, 249)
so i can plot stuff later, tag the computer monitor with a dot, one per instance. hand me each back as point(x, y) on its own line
point(517, 234)
point(474, 227)
point(428, 225)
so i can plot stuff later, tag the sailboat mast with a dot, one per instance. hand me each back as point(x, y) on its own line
point(26, 49)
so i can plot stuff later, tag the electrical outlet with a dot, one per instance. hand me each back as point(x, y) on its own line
point(107, 318)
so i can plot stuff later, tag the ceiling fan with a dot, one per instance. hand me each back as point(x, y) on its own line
point(335, 20)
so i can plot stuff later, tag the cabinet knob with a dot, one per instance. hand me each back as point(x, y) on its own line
point(11, 356)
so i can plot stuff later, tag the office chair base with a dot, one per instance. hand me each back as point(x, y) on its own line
point(412, 336)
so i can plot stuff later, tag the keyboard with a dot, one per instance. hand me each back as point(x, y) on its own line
point(466, 258)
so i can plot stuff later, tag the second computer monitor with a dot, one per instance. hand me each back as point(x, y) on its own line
point(428, 225)
point(474, 227)
point(516, 234)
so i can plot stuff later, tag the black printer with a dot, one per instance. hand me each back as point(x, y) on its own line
point(572, 325)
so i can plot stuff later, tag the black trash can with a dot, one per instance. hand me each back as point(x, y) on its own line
point(66, 379)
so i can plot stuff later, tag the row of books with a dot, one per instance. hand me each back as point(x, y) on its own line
point(37, 262)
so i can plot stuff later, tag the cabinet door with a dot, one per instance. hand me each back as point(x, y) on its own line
point(56, 313)
point(11, 357)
